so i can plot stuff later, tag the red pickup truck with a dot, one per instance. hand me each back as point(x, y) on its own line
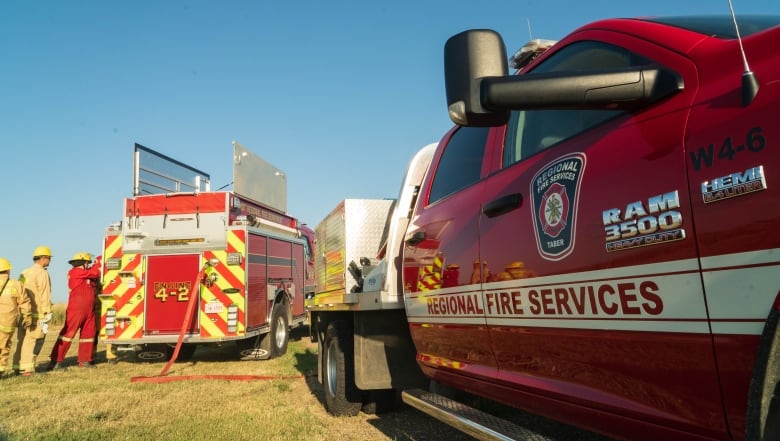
point(596, 241)
point(606, 227)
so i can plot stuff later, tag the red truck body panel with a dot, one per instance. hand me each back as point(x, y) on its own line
point(175, 277)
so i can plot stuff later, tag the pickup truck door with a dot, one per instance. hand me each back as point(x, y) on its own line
point(442, 282)
point(596, 305)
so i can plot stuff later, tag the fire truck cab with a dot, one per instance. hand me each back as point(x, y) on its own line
point(215, 266)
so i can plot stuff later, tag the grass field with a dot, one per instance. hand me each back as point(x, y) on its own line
point(104, 404)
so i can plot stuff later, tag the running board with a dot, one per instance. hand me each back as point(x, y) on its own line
point(469, 420)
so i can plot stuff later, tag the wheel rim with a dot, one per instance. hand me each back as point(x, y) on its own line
point(330, 366)
point(254, 353)
point(151, 355)
point(281, 332)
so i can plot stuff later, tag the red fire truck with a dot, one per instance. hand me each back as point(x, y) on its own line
point(219, 266)
point(595, 241)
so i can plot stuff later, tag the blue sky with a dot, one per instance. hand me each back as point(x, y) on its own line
point(338, 95)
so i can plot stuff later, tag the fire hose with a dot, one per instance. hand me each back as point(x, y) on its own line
point(162, 376)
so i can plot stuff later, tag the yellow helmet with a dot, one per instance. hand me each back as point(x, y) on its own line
point(5, 264)
point(42, 251)
point(86, 257)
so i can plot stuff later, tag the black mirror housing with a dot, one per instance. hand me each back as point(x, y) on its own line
point(470, 57)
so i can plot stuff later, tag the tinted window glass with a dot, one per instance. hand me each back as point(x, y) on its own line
point(461, 162)
point(722, 26)
point(530, 132)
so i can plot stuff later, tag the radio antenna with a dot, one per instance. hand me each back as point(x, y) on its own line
point(749, 80)
point(530, 34)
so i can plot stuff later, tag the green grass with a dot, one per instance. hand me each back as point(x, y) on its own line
point(104, 404)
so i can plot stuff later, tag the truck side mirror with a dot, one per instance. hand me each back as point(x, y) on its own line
point(469, 57)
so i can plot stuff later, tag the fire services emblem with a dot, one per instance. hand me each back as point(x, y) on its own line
point(554, 210)
point(555, 189)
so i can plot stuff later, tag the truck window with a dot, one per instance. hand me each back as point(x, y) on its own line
point(306, 248)
point(531, 131)
point(461, 163)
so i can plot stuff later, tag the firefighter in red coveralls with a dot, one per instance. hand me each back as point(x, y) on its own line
point(80, 314)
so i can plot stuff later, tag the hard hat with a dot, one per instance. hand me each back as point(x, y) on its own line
point(42, 251)
point(80, 257)
point(5, 264)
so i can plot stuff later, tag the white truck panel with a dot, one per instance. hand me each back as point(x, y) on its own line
point(354, 229)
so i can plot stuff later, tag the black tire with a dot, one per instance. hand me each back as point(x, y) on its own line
point(763, 416)
point(341, 395)
point(249, 349)
point(275, 342)
point(154, 352)
point(380, 401)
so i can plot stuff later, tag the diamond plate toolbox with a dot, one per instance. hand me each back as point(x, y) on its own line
point(354, 229)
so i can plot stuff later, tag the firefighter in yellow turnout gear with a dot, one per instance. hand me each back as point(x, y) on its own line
point(37, 285)
point(13, 304)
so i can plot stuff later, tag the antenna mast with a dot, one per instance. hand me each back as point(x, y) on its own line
point(749, 80)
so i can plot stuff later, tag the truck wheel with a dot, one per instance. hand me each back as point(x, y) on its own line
point(380, 401)
point(341, 395)
point(275, 342)
point(154, 352)
point(764, 404)
point(249, 349)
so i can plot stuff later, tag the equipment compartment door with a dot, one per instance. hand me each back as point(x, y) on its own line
point(170, 283)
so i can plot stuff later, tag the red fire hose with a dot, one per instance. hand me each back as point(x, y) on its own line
point(162, 378)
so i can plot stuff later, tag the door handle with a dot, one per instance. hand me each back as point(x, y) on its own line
point(502, 205)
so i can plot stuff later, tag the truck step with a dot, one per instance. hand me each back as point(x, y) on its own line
point(469, 420)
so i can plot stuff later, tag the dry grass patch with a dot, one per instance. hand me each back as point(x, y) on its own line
point(103, 404)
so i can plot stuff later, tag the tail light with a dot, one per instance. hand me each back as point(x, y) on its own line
point(110, 321)
point(232, 318)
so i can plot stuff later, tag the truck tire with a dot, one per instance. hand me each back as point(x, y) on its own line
point(380, 401)
point(154, 352)
point(763, 416)
point(341, 395)
point(164, 352)
point(250, 349)
point(275, 342)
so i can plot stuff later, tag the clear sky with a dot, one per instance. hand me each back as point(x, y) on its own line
point(338, 95)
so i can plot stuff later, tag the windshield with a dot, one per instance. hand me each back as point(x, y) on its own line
point(721, 26)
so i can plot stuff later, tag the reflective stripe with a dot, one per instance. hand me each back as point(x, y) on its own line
point(7, 329)
point(63, 338)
